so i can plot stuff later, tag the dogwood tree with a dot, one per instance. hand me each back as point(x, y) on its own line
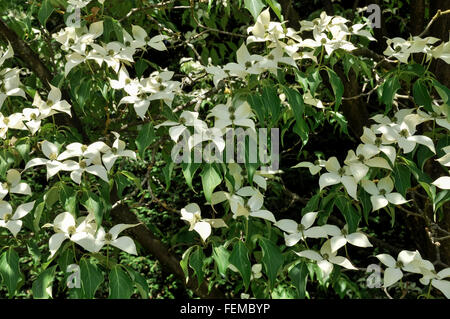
point(206, 113)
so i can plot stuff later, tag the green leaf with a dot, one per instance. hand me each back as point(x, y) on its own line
point(139, 281)
point(189, 170)
point(254, 6)
point(350, 214)
point(120, 284)
point(93, 205)
point(402, 178)
point(419, 175)
point(185, 261)
point(239, 259)
point(196, 263)
point(211, 178)
point(91, 278)
point(299, 277)
point(337, 86)
point(42, 286)
point(366, 205)
point(10, 271)
point(221, 255)
point(45, 12)
point(298, 108)
point(443, 91)
point(145, 138)
point(276, 7)
point(37, 216)
point(421, 95)
point(140, 66)
point(388, 91)
point(272, 259)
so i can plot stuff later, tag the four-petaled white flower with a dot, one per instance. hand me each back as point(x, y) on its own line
point(336, 175)
point(409, 261)
point(112, 238)
point(12, 221)
point(13, 184)
point(116, 151)
point(66, 227)
point(192, 214)
point(382, 193)
point(326, 259)
point(340, 237)
point(296, 232)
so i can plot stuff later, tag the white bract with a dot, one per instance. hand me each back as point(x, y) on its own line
point(192, 214)
point(341, 237)
point(326, 259)
point(409, 261)
point(381, 193)
point(12, 221)
point(13, 184)
point(112, 238)
point(336, 175)
point(66, 227)
point(296, 232)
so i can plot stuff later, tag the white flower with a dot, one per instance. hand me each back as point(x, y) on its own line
point(116, 151)
point(326, 259)
point(187, 118)
point(341, 237)
point(112, 238)
point(53, 105)
point(131, 86)
point(359, 162)
point(213, 134)
point(377, 143)
point(143, 39)
point(253, 205)
point(403, 134)
point(66, 227)
point(10, 84)
point(12, 221)
point(32, 118)
point(218, 73)
point(85, 165)
point(112, 54)
point(92, 151)
point(382, 193)
point(13, 184)
point(227, 115)
point(192, 214)
point(406, 261)
point(14, 121)
point(246, 63)
point(437, 278)
point(295, 231)
point(53, 166)
point(337, 174)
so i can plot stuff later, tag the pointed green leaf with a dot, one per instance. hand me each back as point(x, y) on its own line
point(239, 259)
point(91, 278)
point(42, 286)
point(120, 284)
point(10, 270)
point(272, 259)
